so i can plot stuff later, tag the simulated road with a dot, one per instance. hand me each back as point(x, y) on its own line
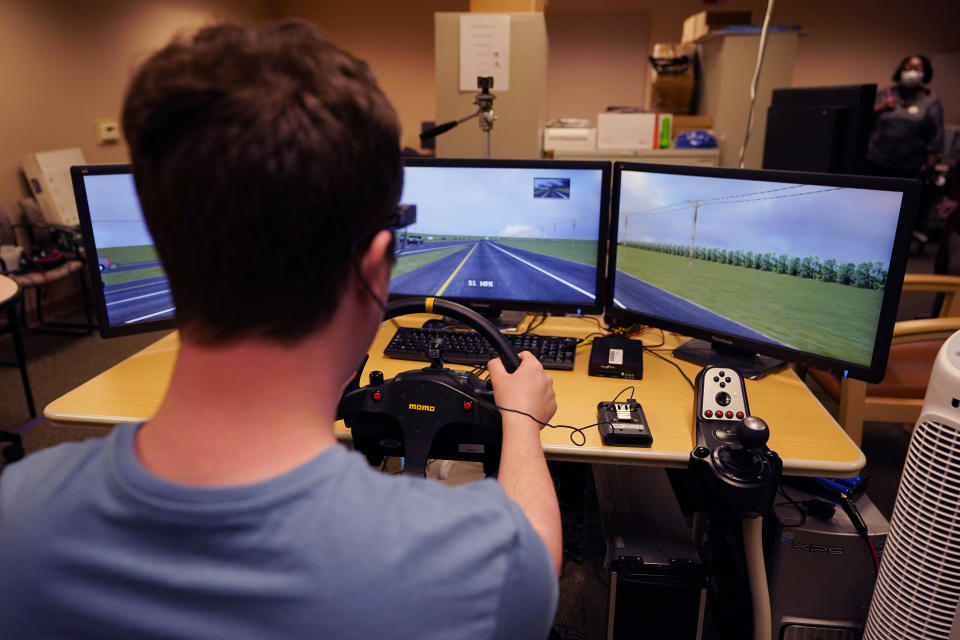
point(139, 300)
point(488, 269)
point(552, 192)
point(117, 267)
point(636, 295)
point(411, 249)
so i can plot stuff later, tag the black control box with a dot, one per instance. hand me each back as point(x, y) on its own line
point(616, 357)
point(623, 424)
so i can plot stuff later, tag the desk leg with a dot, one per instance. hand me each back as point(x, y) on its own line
point(17, 335)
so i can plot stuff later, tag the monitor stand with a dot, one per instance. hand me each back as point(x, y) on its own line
point(502, 320)
point(749, 364)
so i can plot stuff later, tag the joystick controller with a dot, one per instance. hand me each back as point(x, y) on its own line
point(733, 471)
point(733, 476)
point(752, 433)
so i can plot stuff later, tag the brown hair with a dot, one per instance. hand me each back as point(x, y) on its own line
point(261, 156)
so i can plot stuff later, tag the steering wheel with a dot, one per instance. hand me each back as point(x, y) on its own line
point(433, 412)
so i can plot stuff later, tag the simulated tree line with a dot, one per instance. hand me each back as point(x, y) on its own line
point(866, 275)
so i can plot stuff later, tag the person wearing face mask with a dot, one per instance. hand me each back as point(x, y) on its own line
point(907, 132)
point(908, 128)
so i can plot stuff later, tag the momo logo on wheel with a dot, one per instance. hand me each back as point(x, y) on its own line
point(421, 407)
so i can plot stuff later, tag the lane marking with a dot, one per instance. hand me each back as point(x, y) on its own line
point(545, 272)
point(140, 284)
point(448, 246)
point(146, 295)
point(459, 266)
point(618, 303)
point(150, 315)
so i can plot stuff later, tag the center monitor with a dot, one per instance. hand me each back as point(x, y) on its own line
point(795, 266)
point(495, 235)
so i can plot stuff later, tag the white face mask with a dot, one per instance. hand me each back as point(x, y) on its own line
point(910, 77)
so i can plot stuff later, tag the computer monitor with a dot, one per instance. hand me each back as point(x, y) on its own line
point(495, 235)
point(130, 293)
point(794, 266)
point(823, 129)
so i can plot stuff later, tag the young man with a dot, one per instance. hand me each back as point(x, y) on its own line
point(234, 513)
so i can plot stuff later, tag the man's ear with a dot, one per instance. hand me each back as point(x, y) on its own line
point(376, 262)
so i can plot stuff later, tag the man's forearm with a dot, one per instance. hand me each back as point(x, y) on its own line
point(525, 478)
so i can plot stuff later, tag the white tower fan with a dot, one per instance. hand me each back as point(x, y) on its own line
point(918, 588)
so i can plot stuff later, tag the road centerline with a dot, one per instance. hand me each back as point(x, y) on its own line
point(455, 271)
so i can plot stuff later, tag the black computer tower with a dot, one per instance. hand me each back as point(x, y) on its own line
point(658, 585)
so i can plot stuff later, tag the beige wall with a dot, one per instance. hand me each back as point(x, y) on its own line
point(396, 38)
point(64, 63)
point(586, 73)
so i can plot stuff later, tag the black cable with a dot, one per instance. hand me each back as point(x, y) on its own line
point(631, 389)
point(675, 366)
point(602, 328)
point(663, 340)
point(573, 430)
point(849, 507)
point(796, 505)
point(537, 320)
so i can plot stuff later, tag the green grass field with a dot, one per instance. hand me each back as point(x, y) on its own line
point(133, 274)
point(821, 317)
point(417, 260)
point(124, 255)
point(141, 253)
point(582, 251)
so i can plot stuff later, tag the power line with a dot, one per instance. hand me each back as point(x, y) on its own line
point(683, 206)
point(787, 195)
point(738, 195)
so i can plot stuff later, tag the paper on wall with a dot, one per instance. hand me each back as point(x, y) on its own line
point(485, 50)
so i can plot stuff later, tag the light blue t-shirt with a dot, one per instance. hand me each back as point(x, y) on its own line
point(92, 545)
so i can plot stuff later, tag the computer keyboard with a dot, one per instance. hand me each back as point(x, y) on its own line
point(468, 347)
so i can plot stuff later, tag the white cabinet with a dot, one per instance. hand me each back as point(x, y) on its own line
point(727, 62)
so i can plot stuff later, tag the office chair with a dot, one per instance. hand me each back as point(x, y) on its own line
point(899, 396)
point(41, 236)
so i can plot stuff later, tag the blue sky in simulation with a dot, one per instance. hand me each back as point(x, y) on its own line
point(500, 202)
point(115, 211)
point(849, 225)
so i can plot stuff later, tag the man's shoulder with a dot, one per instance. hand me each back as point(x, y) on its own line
point(50, 468)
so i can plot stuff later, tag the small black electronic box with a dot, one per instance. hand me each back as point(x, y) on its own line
point(616, 357)
point(623, 424)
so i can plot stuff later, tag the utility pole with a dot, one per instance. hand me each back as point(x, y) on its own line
point(696, 204)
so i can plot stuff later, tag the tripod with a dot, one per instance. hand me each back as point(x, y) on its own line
point(484, 113)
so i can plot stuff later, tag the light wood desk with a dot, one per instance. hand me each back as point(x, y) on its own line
point(804, 434)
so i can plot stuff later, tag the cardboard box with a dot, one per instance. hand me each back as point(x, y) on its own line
point(702, 23)
point(506, 6)
point(626, 130)
point(682, 124)
point(569, 139)
point(672, 79)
